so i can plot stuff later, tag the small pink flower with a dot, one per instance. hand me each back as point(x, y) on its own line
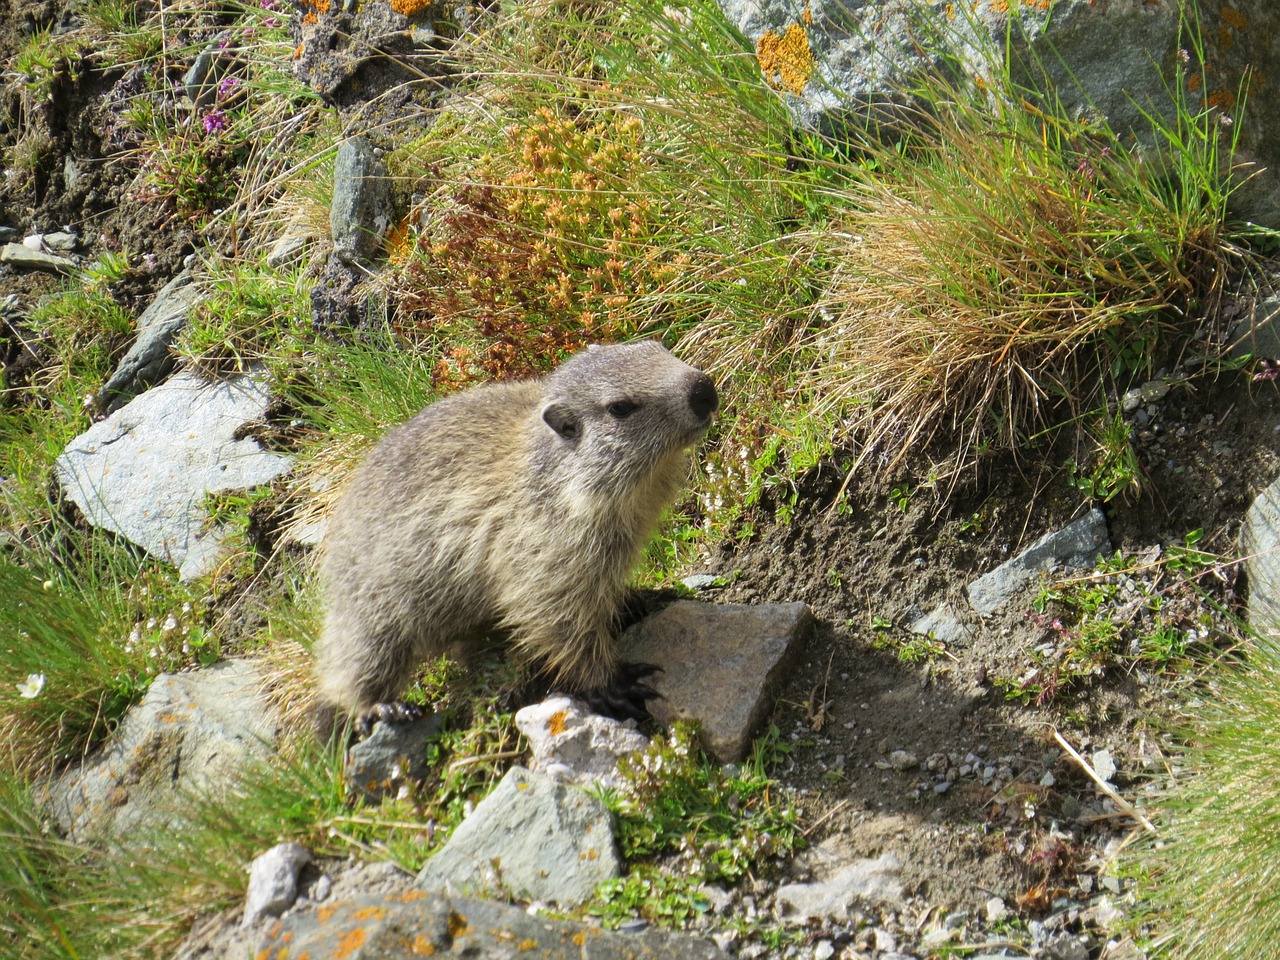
point(215, 122)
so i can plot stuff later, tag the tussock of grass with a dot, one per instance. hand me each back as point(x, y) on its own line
point(1214, 870)
point(135, 896)
point(996, 272)
point(87, 626)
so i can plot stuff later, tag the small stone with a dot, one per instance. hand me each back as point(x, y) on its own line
point(572, 745)
point(1103, 765)
point(996, 910)
point(884, 941)
point(273, 882)
point(941, 788)
point(702, 581)
point(725, 939)
point(824, 950)
point(903, 760)
point(1048, 780)
point(61, 242)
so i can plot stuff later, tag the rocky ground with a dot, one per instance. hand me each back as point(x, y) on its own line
point(991, 837)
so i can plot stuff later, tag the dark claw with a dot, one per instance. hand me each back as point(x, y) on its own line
point(624, 696)
point(397, 711)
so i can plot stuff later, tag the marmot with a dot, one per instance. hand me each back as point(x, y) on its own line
point(520, 507)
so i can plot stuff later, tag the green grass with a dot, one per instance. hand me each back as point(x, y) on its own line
point(988, 282)
point(1164, 616)
point(1212, 869)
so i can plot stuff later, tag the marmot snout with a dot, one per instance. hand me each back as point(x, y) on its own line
point(521, 507)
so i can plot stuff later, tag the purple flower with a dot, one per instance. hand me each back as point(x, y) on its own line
point(227, 87)
point(215, 122)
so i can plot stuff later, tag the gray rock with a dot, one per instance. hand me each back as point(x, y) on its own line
point(1258, 336)
point(419, 924)
point(61, 242)
point(361, 211)
point(1067, 946)
point(200, 82)
point(148, 359)
point(842, 64)
point(1260, 547)
point(702, 581)
point(572, 745)
point(943, 623)
point(291, 245)
point(23, 257)
point(144, 471)
point(565, 849)
point(1153, 391)
point(192, 734)
point(1076, 545)
point(721, 665)
point(864, 882)
point(273, 881)
point(393, 755)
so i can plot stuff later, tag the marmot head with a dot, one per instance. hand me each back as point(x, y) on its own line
point(622, 410)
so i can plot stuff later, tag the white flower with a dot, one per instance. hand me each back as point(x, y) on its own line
point(31, 689)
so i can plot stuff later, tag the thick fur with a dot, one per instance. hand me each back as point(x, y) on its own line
point(521, 507)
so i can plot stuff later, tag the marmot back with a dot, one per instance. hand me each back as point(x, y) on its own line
point(521, 507)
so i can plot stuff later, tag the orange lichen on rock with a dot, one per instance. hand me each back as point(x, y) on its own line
point(555, 724)
point(410, 8)
point(785, 58)
point(1233, 18)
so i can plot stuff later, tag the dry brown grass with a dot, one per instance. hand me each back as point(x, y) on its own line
point(996, 278)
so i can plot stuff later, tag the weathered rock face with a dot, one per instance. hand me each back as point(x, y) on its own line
point(532, 837)
point(843, 63)
point(144, 471)
point(1260, 547)
point(420, 924)
point(721, 664)
point(192, 734)
point(1243, 70)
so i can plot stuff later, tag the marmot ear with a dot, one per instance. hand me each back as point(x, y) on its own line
point(559, 419)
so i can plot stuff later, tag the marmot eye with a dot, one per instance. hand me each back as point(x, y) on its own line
point(621, 409)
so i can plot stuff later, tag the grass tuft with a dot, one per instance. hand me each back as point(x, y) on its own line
point(1213, 870)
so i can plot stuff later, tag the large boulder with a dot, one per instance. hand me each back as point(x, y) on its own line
point(145, 471)
point(193, 734)
point(847, 62)
point(531, 837)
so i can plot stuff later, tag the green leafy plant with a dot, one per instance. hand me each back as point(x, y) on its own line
point(718, 824)
point(1115, 470)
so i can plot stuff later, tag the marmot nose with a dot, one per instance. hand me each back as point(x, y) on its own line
point(703, 398)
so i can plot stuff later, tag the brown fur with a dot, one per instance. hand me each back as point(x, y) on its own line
point(521, 507)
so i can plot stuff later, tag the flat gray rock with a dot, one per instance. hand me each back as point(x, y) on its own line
point(532, 838)
point(1260, 546)
point(148, 360)
point(400, 926)
point(17, 255)
point(864, 882)
point(192, 734)
point(721, 665)
point(144, 471)
point(1076, 545)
